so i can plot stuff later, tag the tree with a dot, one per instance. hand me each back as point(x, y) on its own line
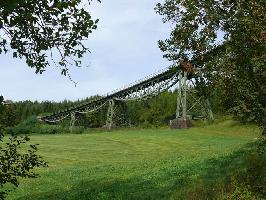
point(239, 66)
point(13, 163)
point(40, 31)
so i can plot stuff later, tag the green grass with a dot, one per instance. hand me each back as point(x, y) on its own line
point(134, 164)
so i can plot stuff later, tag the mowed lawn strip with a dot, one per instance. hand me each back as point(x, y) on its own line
point(130, 164)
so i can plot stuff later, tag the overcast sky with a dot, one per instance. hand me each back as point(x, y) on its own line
point(124, 49)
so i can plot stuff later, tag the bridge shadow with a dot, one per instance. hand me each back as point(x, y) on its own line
point(168, 184)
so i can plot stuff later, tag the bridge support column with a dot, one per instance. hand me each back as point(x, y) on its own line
point(209, 110)
point(182, 120)
point(181, 109)
point(110, 115)
point(72, 121)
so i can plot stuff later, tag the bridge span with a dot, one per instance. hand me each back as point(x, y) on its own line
point(150, 86)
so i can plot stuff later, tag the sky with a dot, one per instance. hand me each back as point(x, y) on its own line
point(123, 49)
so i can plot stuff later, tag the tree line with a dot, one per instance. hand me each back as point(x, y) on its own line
point(153, 112)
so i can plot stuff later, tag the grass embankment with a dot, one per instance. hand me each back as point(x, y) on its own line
point(139, 164)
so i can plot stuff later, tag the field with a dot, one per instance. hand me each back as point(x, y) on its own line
point(136, 163)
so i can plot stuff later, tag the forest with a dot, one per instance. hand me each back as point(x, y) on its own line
point(21, 117)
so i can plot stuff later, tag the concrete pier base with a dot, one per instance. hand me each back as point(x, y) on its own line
point(181, 123)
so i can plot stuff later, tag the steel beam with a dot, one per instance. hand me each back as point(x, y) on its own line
point(110, 114)
point(209, 110)
point(72, 121)
point(181, 109)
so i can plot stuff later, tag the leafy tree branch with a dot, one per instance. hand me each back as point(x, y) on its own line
point(32, 30)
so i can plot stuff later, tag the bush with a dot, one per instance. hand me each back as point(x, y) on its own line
point(30, 121)
point(77, 130)
point(16, 164)
point(32, 126)
point(146, 124)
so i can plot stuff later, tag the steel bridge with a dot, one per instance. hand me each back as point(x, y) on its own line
point(148, 87)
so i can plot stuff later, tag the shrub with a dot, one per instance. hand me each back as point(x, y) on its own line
point(32, 125)
point(14, 164)
point(146, 124)
point(77, 130)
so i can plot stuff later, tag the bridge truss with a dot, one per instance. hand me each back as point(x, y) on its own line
point(148, 87)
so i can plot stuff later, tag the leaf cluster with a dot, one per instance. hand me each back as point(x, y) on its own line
point(14, 164)
point(39, 31)
point(237, 69)
point(15, 160)
point(197, 25)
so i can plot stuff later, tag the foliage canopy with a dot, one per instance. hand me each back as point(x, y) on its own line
point(238, 70)
point(39, 31)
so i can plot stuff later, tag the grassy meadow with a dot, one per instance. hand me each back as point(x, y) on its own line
point(137, 163)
